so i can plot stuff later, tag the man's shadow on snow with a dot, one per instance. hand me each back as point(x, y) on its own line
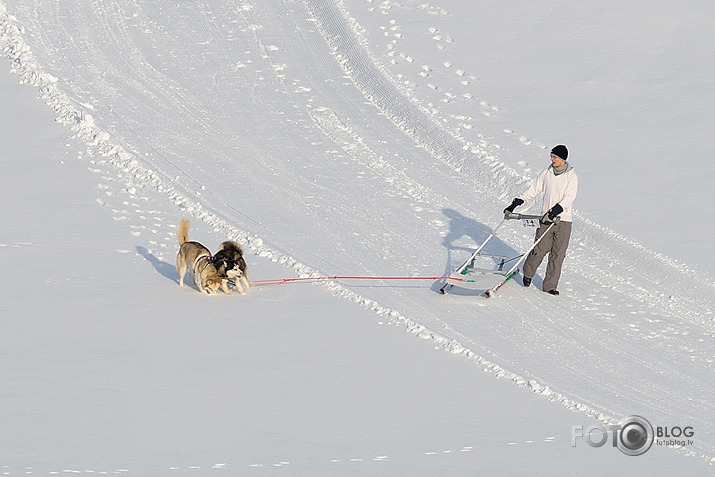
point(475, 232)
point(167, 270)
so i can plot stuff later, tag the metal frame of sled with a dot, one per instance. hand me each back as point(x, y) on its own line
point(490, 280)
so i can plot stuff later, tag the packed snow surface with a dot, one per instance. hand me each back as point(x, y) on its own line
point(351, 138)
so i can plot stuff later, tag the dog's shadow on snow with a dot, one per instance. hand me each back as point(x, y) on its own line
point(166, 269)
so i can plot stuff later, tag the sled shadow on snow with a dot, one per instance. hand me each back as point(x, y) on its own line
point(464, 236)
point(166, 269)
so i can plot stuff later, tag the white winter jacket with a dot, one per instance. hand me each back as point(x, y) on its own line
point(559, 189)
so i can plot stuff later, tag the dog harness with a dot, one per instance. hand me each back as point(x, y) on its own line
point(208, 258)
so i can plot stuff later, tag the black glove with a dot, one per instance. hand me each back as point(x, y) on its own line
point(514, 204)
point(552, 215)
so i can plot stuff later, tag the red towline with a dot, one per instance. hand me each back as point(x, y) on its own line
point(278, 281)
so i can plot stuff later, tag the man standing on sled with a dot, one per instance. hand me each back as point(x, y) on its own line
point(559, 183)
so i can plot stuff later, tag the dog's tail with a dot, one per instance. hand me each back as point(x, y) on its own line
point(182, 231)
point(228, 244)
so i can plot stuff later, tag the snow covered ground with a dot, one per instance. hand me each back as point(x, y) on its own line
point(357, 138)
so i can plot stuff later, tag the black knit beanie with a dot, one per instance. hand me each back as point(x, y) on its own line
point(560, 151)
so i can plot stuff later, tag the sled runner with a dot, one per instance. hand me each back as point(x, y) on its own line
point(472, 276)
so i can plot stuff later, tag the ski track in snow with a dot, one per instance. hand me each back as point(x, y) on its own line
point(379, 129)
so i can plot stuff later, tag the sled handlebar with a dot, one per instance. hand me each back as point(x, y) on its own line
point(514, 216)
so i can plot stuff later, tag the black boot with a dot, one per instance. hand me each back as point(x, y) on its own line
point(553, 292)
point(527, 282)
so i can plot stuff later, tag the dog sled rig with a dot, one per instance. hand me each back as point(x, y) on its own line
point(488, 280)
point(468, 275)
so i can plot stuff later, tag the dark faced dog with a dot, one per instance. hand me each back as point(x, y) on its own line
point(231, 266)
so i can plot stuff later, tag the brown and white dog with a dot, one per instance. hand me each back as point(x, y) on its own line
point(231, 266)
point(198, 257)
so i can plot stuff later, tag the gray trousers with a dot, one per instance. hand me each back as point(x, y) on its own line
point(555, 244)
